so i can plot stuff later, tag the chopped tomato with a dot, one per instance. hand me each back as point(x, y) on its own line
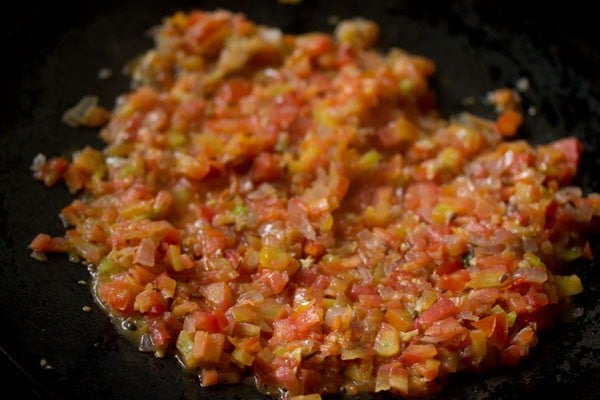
point(445, 329)
point(455, 281)
point(44, 243)
point(203, 321)
point(218, 294)
point(495, 328)
point(150, 301)
point(441, 309)
point(209, 377)
point(267, 167)
point(509, 122)
point(208, 346)
point(49, 171)
point(572, 149)
point(119, 294)
point(232, 90)
point(417, 353)
point(158, 332)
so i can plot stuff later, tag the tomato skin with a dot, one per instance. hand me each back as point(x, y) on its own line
point(202, 320)
point(417, 353)
point(445, 330)
point(442, 308)
point(495, 328)
point(159, 332)
point(455, 281)
point(358, 290)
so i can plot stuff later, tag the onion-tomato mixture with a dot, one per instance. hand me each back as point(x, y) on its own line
point(293, 209)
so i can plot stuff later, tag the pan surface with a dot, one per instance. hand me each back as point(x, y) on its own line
point(52, 55)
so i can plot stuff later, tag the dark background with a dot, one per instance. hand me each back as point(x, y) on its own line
point(50, 54)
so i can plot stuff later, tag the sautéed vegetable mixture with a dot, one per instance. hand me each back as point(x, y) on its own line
point(293, 209)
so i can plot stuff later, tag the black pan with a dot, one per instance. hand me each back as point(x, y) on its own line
point(51, 56)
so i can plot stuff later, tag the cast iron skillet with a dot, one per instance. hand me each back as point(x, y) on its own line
point(51, 57)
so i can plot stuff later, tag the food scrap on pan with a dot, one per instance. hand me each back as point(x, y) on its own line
point(292, 208)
